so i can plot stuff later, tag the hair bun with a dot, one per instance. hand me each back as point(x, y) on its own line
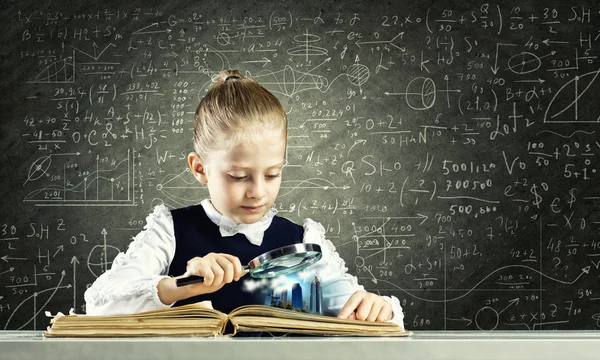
point(232, 77)
point(226, 75)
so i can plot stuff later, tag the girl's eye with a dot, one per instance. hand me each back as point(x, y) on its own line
point(272, 176)
point(237, 177)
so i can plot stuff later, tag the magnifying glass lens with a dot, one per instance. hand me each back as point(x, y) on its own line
point(285, 264)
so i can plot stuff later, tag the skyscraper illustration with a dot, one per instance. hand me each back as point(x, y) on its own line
point(276, 297)
point(297, 296)
point(319, 297)
point(312, 294)
point(316, 296)
point(268, 299)
point(283, 297)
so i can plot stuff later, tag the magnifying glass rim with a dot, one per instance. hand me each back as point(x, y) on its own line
point(268, 256)
point(282, 251)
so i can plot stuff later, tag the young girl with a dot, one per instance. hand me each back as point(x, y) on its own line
point(240, 138)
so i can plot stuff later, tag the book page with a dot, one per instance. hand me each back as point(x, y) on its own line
point(265, 318)
point(193, 319)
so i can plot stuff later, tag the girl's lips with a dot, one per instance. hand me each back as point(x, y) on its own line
point(252, 208)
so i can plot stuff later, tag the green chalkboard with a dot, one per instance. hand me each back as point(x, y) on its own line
point(450, 149)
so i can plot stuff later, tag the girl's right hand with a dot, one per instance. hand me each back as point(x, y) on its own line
point(217, 270)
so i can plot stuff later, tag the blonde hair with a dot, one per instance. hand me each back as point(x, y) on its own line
point(235, 108)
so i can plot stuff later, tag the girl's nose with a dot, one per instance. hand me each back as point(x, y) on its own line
point(257, 189)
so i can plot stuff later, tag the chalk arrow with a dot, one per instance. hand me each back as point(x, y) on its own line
point(6, 258)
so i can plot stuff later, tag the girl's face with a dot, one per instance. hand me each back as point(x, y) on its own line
point(243, 182)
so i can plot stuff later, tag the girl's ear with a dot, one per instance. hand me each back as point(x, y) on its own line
point(197, 167)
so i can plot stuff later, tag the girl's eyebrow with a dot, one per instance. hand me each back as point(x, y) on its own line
point(234, 166)
point(279, 165)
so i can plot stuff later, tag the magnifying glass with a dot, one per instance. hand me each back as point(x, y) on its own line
point(274, 263)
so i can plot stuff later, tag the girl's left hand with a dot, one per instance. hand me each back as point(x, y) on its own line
point(367, 306)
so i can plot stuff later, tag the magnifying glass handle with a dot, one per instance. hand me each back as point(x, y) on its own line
point(188, 280)
point(194, 279)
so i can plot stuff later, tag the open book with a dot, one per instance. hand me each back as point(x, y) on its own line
point(198, 320)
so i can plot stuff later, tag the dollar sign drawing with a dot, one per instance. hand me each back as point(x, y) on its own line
point(538, 197)
point(572, 199)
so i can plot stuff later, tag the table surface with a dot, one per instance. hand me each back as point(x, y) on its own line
point(422, 345)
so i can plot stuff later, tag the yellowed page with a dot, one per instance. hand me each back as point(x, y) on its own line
point(193, 319)
point(265, 318)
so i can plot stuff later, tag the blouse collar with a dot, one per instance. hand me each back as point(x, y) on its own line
point(227, 227)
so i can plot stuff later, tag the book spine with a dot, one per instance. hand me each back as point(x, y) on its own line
point(223, 326)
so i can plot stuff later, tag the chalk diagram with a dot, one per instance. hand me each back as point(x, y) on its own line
point(421, 93)
point(524, 63)
point(109, 183)
point(379, 239)
point(572, 103)
point(98, 258)
point(488, 317)
point(181, 189)
point(289, 81)
point(358, 74)
point(37, 303)
point(209, 56)
point(289, 186)
point(596, 318)
point(209, 61)
point(306, 49)
point(61, 71)
point(375, 237)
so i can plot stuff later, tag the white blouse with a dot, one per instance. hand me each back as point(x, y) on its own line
point(130, 285)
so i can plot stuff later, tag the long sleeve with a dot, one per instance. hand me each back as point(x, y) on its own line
point(130, 284)
point(337, 284)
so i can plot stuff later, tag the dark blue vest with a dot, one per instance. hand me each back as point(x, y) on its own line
point(197, 235)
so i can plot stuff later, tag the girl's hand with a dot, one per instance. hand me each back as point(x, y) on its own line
point(367, 306)
point(217, 270)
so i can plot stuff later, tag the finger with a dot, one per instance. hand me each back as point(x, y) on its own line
point(227, 266)
point(191, 267)
point(237, 266)
point(364, 308)
point(375, 310)
point(352, 316)
point(386, 313)
point(239, 269)
point(200, 268)
point(351, 304)
point(218, 272)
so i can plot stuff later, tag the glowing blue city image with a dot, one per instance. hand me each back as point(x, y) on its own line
point(290, 295)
